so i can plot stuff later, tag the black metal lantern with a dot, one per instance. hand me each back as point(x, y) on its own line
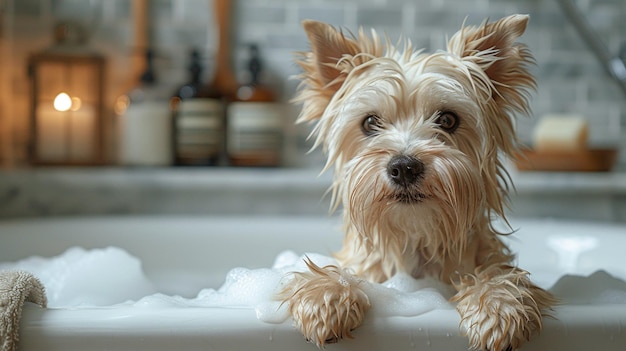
point(66, 125)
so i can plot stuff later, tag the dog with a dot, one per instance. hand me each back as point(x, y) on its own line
point(416, 141)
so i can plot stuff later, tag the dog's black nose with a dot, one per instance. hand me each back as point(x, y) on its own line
point(405, 170)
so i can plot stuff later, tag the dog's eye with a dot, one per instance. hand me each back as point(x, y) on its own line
point(448, 121)
point(371, 125)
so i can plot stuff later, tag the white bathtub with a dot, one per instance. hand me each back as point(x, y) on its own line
point(183, 255)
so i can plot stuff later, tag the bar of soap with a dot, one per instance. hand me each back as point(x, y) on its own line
point(561, 133)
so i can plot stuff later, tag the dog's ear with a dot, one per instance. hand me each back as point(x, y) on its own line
point(492, 47)
point(499, 70)
point(328, 47)
point(333, 55)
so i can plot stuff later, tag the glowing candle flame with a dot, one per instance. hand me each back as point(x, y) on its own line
point(62, 102)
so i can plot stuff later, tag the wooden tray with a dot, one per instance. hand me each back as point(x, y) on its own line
point(594, 160)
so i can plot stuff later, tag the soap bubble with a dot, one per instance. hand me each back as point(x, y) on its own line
point(78, 277)
point(112, 277)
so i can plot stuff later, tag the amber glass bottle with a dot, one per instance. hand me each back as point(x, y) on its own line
point(255, 121)
point(198, 120)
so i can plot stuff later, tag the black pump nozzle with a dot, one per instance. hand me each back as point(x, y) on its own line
point(148, 76)
point(254, 64)
point(195, 67)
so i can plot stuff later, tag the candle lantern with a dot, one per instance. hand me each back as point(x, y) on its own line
point(66, 125)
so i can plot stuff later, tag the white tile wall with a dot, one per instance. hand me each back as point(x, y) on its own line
point(570, 79)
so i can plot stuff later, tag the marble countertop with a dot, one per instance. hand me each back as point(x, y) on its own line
point(216, 191)
point(613, 183)
point(236, 191)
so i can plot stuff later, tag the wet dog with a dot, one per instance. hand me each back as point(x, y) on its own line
point(416, 141)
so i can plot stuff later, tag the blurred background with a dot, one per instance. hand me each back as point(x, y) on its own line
point(181, 106)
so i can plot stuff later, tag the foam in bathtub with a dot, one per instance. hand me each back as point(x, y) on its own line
point(80, 277)
point(402, 295)
point(111, 276)
point(255, 288)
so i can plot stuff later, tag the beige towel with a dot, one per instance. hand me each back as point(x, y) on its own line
point(15, 288)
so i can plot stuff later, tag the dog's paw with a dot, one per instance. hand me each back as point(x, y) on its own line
point(501, 313)
point(326, 303)
point(495, 328)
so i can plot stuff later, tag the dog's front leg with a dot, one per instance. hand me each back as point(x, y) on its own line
point(326, 303)
point(500, 307)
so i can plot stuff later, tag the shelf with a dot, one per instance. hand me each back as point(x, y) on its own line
point(247, 191)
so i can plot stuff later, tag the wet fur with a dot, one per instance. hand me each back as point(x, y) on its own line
point(441, 226)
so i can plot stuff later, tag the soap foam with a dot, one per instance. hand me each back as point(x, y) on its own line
point(79, 277)
point(111, 276)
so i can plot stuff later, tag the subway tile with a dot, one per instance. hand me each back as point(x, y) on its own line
point(116, 11)
point(123, 9)
point(331, 13)
point(550, 18)
point(426, 18)
point(377, 17)
point(571, 64)
point(261, 14)
point(603, 89)
point(160, 10)
point(112, 32)
point(604, 124)
point(296, 41)
point(603, 18)
point(193, 12)
point(76, 9)
point(27, 8)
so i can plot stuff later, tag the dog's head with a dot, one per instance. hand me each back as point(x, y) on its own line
point(415, 138)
